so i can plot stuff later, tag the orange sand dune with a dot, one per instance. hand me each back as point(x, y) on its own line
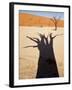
point(33, 20)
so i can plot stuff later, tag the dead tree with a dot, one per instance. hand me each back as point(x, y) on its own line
point(47, 66)
point(55, 21)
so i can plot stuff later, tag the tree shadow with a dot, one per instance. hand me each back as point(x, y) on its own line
point(47, 66)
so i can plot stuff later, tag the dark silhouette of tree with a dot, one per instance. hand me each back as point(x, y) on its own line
point(47, 66)
point(55, 21)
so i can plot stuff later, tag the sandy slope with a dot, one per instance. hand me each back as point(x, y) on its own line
point(32, 20)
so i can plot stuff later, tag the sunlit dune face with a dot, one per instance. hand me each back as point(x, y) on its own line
point(31, 20)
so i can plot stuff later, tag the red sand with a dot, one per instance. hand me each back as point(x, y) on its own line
point(32, 20)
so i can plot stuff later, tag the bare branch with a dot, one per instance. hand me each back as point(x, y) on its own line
point(52, 20)
point(36, 39)
point(30, 46)
point(57, 35)
point(32, 39)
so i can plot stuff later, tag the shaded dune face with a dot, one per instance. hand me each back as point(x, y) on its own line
point(42, 61)
point(32, 20)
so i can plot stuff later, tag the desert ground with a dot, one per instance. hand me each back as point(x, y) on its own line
point(28, 57)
